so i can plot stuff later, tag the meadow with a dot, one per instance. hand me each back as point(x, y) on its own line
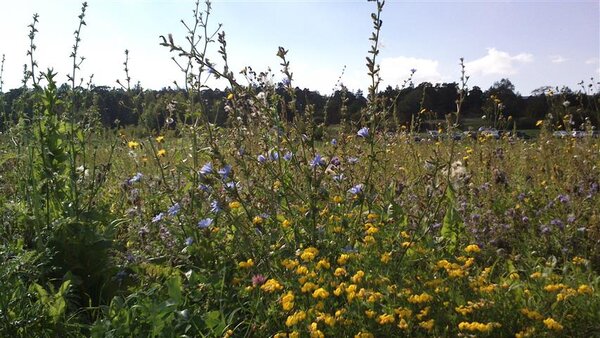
point(273, 227)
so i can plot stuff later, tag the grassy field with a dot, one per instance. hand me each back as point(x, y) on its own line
point(266, 227)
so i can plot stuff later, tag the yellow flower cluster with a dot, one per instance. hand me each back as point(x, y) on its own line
point(385, 319)
point(287, 301)
point(320, 293)
point(295, 318)
point(473, 248)
point(309, 254)
point(554, 287)
point(532, 314)
point(476, 326)
point(418, 299)
point(552, 324)
point(272, 285)
point(247, 264)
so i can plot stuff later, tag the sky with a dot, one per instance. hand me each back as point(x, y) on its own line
point(532, 43)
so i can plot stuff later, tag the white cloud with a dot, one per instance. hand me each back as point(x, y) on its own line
point(592, 61)
point(396, 70)
point(497, 62)
point(557, 59)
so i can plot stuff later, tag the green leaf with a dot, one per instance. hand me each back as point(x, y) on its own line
point(175, 287)
point(452, 226)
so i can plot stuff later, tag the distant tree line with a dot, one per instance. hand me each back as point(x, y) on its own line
point(499, 106)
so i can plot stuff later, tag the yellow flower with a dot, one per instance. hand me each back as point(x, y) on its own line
point(370, 313)
point(385, 319)
point(552, 324)
point(160, 139)
point(428, 325)
point(247, 264)
point(472, 248)
point(320, 293)
point(535, 275)
point(323, 264)
point(289, 264)
point(385, 257)
point(293, 319)
point(339, 272)
point(234, 205)
point(476, 326)
point(364, 335)
point(402, 324)
point(308, 287)
point(309, 254)
point(294, 334)
point(272, 285)
point(539, 123)
point(422, 298)
point(358, 276)
point(161, 153)
point(286, 223)
point(583, 288)
point(133, 144)
point(554, 287)
point(230, 96)
point(257, 220)
point(287, 301)
point(337, 199)
point(343, 259)
point(532, 314)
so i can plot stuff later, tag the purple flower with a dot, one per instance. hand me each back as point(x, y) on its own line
point(357, 189)
point(206, 169)
point(571, 218)
point(174, 209)
point(258, 280)
point(261, 158)
point(205, 223)
point(189, 241)
point(288, 156)
point(338, 178)
point(363, 132)
point(215, 206)
point(136, 178)
point(525, 219)
point(317, 161)
point(335, 161)
point(334, 142)
point(557, 223)
point(158, 218)
point(563, 198)
point(274, 155)
point(225, 171)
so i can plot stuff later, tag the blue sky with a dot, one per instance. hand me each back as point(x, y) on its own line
point(533, 43)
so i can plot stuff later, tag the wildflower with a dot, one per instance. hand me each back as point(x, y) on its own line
point(357, 189)
point(161, 153)
point(160, 139)
point(287, 301)
point(205, 223)
point(583, 288)
point(234, 205)
point(363, 132)
point(472, 248)
point(136, 178)
point(272, 285)
point(174, 209)
point(247, 264)
point(352, 160)
point(532, 314)
point(215, 207)
point(206, 169)
point(552, 324)
point(320, 293)
point(334, 142)
point(358, 276)
point(427, 325)
point(308, 287)
point(295, 318)
point(309, 254)
point(133, 144)
point(158, 218)
point(230, 96)
point(189, 241)
point(476, 326)
point(385, 319)
point(422, 298)
point(339, 272)
point(385, 257)
point(258, 280)
point(364, 335)
point(261, 158)
point(288, 156)
point(317, 161)
point(225, 171)
point(343, 259)
point(273, 155)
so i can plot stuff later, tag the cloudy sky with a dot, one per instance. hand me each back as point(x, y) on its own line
point(533, 43)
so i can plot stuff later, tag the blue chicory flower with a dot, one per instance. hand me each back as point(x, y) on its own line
point(317, 161)
point(205, 223)
point(206, 169)
point(357, 189)
point(158, 218)
point(363, 132)
point(225, 171)
point(136, 178)
point(261, 158)
point(174, 209)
